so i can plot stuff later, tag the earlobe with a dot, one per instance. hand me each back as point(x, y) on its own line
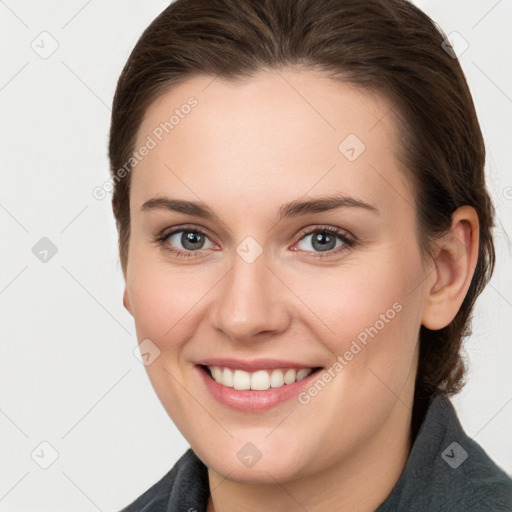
point(126, 301)
point(455, 262)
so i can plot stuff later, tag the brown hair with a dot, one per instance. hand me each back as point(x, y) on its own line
point(386, 46)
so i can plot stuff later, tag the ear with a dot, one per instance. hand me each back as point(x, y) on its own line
point(126, 301)
point(456, 256)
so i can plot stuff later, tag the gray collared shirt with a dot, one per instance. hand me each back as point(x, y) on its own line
point(446, 471)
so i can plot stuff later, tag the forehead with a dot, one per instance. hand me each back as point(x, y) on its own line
point(279, 134)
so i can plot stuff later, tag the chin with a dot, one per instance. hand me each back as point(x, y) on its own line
point(271, 466)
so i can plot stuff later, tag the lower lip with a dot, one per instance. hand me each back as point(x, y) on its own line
point(250, 400)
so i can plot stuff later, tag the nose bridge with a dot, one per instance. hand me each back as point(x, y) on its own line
point(251, 298)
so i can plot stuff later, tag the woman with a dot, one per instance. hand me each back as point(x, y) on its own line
point(304, 229)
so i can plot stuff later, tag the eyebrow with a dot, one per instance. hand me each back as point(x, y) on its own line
point(293, 209)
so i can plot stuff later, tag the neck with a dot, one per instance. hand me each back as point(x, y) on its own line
point(360, 484)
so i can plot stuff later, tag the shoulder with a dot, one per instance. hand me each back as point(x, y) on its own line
point(482, 484)
point(449, 471)
point(184, 486)
point(477, 480)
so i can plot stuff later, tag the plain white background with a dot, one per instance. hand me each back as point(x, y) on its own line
point(68, 375)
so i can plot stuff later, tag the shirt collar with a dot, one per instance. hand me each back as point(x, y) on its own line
point(435, 476)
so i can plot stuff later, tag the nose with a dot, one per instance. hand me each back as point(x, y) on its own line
point(251, 302)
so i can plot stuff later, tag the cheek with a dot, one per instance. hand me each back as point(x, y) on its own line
point(369, 320)
point(368, 314)
point(164, 299)
point(349, 299)
point(166, 304)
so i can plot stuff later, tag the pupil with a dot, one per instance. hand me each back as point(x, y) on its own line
point(321, 238)
point(191, 240)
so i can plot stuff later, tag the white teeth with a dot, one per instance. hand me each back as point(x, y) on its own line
point(289, 376)
point(227, 377)
point(276, 378)
point(241, 380)
point(217, 373)
point(260, 380)
point(303, 373)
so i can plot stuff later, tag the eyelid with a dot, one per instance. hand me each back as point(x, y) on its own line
point(349, 241)
point(347, 238)
point(184, 227)
point(162, 236)
point(325, 227)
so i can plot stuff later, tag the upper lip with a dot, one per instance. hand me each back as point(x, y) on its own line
point(254, 364)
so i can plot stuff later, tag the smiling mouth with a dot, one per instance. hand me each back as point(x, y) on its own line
point(260, 380)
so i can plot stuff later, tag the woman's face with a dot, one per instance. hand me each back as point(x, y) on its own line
point(262, 286)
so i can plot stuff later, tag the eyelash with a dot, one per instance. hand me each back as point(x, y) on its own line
point(161, 240)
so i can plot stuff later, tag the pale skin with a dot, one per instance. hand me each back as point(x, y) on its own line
point(245, 150)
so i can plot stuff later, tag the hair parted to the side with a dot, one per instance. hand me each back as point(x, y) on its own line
point(386, 46)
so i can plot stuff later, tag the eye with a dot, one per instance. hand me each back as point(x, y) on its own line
point(327, 240)
point(186, 241)
point(191, 241)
